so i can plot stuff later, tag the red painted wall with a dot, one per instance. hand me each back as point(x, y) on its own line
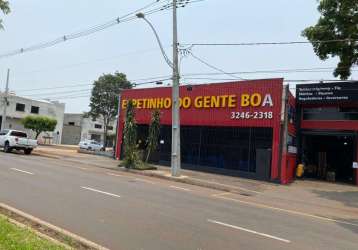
point(330, 125)
point(220, 116)
point(288, 160)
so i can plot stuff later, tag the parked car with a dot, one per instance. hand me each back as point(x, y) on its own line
point(91, 145)
point(18, 140)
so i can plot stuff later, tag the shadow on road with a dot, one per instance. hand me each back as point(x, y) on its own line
point(348, 198)
point(353, 228)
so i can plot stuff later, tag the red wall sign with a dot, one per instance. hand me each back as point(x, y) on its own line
point(255, 103)
point(251, 103)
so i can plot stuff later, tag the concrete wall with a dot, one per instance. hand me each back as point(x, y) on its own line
point(53, 110)
point(71, 135)
point(87, 126)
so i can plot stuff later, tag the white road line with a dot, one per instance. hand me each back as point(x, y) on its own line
point(220, 194)
point(101, 192)
point(144, 180)
point(255, 204)
point(82, 168)
point(117, 175)
point(249, 231)
point(180, 188)
point(22, 171)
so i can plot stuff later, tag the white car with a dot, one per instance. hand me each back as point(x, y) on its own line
point(18, 140)
point(91, 145)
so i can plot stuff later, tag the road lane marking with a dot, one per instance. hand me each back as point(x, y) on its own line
point(249, 231)
point(101, 192)
point(22, 171)
point(220, 194)
point(117, 175)
point(255, 204)
point(180, 188)
point(82, 168)
point(144, 180)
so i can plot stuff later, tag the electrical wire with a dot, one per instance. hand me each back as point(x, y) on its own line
point(86, 32)
point(270, 43)
point(213, 67)
point(298, 70)
point(97, 28)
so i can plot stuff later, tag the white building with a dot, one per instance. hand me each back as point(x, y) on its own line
point(20, 107)
point(77, 128)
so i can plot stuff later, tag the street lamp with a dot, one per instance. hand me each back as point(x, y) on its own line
point(167, 60)
point(175, 154)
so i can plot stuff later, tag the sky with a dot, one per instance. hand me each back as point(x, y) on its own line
point(66, 71)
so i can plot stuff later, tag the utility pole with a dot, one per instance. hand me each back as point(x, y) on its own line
point(175, 154)
point(175, 159)
point(5, 100)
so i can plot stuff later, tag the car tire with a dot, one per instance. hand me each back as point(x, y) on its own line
point(89, 149)
point(28, 151)
point(7, 148)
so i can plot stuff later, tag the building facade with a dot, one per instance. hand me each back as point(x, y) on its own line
point(328, 130)
point(231, 127)
point(255, 129)
point(77, 128)
point(20, 107)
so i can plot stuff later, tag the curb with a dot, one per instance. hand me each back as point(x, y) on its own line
point(46, 155)
point(48, 229)
point(41, 235)
point(195, 182)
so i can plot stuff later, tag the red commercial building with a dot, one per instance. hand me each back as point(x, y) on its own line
point(245, 128)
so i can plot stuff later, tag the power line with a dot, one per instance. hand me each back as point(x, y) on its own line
point(136, 82)
point(126, 18)
point(271, 43)
point(97, 28)
point(213, 67)
point(90, 61)
point(298, 70)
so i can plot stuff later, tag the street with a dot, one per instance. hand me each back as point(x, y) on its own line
point(123, 211)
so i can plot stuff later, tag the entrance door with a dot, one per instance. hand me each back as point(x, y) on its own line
point(329, 157)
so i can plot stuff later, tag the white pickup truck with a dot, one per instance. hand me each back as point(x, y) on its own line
point(12, 139)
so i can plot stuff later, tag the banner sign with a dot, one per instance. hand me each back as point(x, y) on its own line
point(327, 92)
point(247, 103)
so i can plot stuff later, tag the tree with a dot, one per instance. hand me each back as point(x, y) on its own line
point(338, 21)
point(153, 134)
point(39, 124)
point(104, 99)
point(131, 157)
point(5, 8)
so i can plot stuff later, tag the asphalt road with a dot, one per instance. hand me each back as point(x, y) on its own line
point(123, 211)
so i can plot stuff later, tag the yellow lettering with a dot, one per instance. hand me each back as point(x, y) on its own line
point(198, 103)
point(245, 100)
point(206, 101)
point(215, 101)
point(256, 100)
point(159, 103)
point(232, 101)
point(186, 102)
point(124, 104)
point(139, 103)
point(167, 103)
point(152, 103)
point(145, 103)
point(134, 101)
point(224, 100)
